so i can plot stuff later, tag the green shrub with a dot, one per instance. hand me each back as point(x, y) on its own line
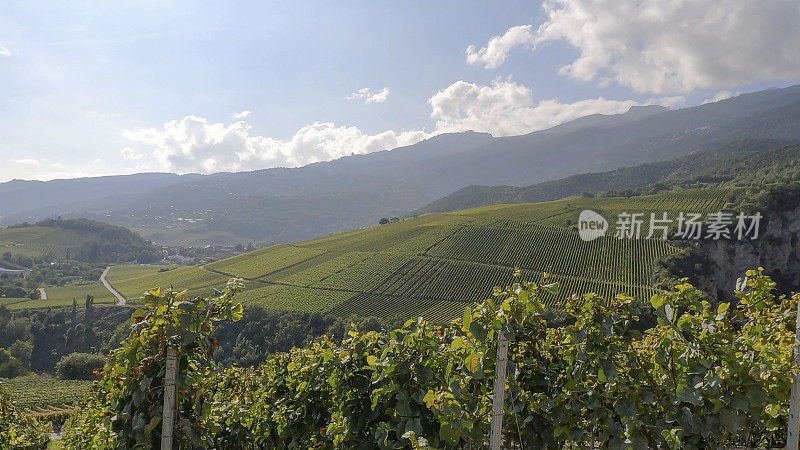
point(79, 366)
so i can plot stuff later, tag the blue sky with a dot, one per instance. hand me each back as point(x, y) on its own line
point(93, 88)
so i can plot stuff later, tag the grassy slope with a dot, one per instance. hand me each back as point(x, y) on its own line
point(434, 265)
point(40, 241)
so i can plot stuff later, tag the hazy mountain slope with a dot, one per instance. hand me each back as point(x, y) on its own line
point(19, 195)
point(283, 205)
point(736, 163)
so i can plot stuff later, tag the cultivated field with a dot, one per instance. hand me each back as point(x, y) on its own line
point(434, 265)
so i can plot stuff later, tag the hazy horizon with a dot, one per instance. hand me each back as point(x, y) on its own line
point(107, 89)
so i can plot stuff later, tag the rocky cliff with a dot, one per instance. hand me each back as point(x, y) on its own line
point(776, 249)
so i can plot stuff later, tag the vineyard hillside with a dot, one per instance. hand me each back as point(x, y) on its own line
point(79, 239)
point(434, 265)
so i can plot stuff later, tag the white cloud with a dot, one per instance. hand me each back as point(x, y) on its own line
point(361, 93)
point(506, 108)
point(242, 115)
point(669, 101)
point(665, 46)
point(129, 155)
point(192, 144)
point(369, 96)
point(378, 97)
point(719, 96)
point(498, 47)
point(27, 162)
point(4, 51)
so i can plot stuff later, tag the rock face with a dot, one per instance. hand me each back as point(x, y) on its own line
point(776, 250)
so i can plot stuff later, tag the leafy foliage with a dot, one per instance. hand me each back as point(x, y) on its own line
point(701, 377)
point(53, 333)
point(124, 408)
point(18, 431)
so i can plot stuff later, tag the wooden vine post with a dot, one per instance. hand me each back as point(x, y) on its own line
point(495, 439)
point(793, 428)
point(168, 419)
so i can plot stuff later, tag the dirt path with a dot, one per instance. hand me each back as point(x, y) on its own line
point(120, 299)
point(42, 294)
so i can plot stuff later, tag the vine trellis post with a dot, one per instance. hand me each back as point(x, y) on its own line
point(793, 428)
point(495, 439)
point(168, 418)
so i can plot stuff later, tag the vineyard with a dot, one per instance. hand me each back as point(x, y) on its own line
point(435, 264)
point(698, 376)
point(41, 241)
point(45, 398)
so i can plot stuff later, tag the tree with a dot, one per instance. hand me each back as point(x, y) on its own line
point(10, 367)
point(383, 221)
point(89, 302)
point(79, 366)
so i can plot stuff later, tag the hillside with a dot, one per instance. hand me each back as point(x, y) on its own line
point(735, 164)
point(286, 205)
point(79, 239)
point(435, 265)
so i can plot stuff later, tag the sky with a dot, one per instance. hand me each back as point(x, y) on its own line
point(99, 88)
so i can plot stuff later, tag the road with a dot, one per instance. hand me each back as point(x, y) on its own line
point(120, 299)
point(42, 294)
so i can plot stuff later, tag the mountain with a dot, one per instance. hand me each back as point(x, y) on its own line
point(735, 164)
point(21, 195)
point(286, 205)
point(603, 120)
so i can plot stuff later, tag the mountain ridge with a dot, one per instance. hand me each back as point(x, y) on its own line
point(291, 204)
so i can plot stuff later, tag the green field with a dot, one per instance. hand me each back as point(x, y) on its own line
point(434, 265)
point(63, 296)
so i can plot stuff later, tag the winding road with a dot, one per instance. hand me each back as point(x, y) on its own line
point(120, 299)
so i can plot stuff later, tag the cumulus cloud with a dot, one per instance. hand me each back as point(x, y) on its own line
point(368, 96)
point(664, 46)
point(242, 115)
point(193, 144)
point(506, 108)
point(498, 47)
point(4, 51)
